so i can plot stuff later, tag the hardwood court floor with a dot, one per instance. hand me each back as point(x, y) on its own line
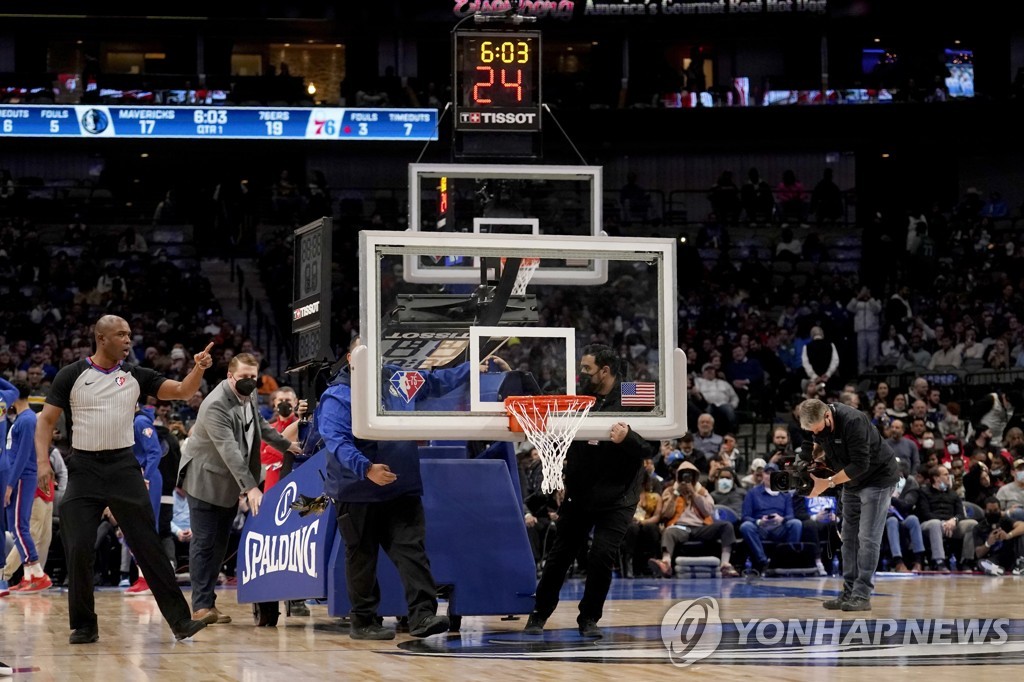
point(135, 644)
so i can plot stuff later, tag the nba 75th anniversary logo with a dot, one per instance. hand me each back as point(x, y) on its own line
point(694, 631)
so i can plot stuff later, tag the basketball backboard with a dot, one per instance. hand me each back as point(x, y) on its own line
point(439, 359)
point(513, 199)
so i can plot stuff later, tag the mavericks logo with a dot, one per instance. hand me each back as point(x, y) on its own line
point(95, 121)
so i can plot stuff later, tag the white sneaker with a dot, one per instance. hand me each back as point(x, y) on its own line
point(991, 568)
point(821, 568)
point(1018, 568)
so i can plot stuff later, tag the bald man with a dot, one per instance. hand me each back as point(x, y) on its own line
point(98, 395)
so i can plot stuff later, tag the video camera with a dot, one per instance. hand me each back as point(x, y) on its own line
point(795, 474)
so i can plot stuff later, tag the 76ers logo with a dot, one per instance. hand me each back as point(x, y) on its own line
point(407, 384)
point(120, 381)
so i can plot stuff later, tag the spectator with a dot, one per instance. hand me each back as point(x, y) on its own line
point(827, 199)
point(791, 198)
point(866, 311)
point(706, 440)
point(717, 396)
point(725, 491)
point(821, 360)
point(634, 201)
point(943, 516)
point(767, 515)
point(689, 512)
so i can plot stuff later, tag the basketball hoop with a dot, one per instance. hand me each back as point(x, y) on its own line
point(550, 422)
point(526, 269)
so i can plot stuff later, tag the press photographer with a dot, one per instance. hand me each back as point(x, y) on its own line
point(845, 441)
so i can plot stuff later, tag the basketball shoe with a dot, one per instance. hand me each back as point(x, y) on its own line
point(139, 589)
point(33, 584)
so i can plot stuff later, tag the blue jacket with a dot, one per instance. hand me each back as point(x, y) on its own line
point(147, 446)
point(350, 458)
point(8, 394)
point(759, 502)
point(21, 448)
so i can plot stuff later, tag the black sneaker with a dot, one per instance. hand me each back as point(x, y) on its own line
point(534, 624)
point(939, 566)
point(431, 625)
point(187, 628)
point(86, 635)
point(837, 603)
point(856, 604)
point(371, 631)
point(588, 628)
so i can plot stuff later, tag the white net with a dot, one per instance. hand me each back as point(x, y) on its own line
point(526, 269)
point(550, 424)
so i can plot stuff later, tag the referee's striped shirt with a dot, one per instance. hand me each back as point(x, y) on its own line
point(99, 404)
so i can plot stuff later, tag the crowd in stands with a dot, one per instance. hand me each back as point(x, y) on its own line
point(933, 296)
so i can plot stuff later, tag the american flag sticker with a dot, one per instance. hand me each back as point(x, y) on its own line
point(638, 394)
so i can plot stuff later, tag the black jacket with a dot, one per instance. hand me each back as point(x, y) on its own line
point(603, 474)
point(935, 504)
point(854, 445)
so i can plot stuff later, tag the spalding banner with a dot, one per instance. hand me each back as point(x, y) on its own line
point(283, 555)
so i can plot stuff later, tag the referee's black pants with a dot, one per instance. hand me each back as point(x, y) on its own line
point(112, 478)
point(398, 527)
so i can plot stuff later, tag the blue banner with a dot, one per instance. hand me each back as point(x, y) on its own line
point(283, 555)
point(247, 123)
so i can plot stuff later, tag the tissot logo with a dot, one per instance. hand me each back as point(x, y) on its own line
point(499, 118)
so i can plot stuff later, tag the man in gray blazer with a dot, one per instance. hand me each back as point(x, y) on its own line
point(221, 464)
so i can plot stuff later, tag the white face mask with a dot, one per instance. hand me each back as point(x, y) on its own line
point(928, 443)
point(954, 449)
point(725, 485)
point(899, 485)
point(1020, 476)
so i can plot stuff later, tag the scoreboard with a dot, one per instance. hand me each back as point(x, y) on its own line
point(497, 81)
point(311, 291)
point(248, 123)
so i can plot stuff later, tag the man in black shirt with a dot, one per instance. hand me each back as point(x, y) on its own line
point(867, 470)
point(942, 516)
point(602, 487)
point(98, 395)
point(999, 540)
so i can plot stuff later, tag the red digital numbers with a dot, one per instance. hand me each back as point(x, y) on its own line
point(506, 80)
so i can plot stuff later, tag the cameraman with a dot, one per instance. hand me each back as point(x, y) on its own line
point(849, 444)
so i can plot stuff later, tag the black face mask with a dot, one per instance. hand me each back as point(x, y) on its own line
point(993, 518)
point(587, 385)
point(284, 409)
point(245, 386)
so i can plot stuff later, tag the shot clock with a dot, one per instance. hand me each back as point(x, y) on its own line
point(311, 305)
point(497, 81)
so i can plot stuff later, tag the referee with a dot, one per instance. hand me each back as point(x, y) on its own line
point(98, 395)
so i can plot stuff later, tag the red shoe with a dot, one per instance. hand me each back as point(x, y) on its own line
point(35, 584)
point(139, 589)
